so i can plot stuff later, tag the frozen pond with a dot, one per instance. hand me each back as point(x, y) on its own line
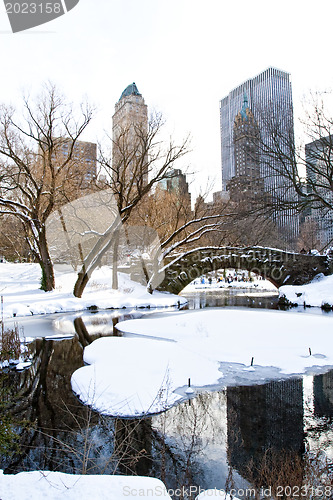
point(206, 442)
point(210, 441)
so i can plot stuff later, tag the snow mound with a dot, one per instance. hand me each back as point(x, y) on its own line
point(316, 293)
point(38, 485)
point(136, 377)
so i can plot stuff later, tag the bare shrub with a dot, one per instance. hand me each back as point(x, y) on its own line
point(286, 474)
point(10, 347)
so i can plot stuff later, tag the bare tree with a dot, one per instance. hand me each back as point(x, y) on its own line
point(37, 168)
point(12, 244)
point(163, 210)
point(308, 236)
point(137, 161)
point(304, 174)
point(181, 229)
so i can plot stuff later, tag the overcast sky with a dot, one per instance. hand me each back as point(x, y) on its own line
point(184, 56)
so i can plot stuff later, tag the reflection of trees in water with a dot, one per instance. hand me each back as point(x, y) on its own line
point(38, 396)
point(64, 434)
point(183, 436)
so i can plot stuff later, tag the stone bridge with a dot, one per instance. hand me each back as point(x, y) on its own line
point(277, 266)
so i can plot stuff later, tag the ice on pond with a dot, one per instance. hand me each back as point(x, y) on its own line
point(132, 376)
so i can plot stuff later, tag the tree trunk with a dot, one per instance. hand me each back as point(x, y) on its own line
point(47, 280)
point(80, 284)
point(90, 263)
point(115, 261)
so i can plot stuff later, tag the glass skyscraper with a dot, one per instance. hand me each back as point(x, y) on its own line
point(269, 97)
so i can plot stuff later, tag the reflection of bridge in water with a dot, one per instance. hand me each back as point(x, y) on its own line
point(277, 266)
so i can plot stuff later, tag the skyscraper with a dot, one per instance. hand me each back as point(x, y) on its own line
point(317, 158)
point(130, 109)
point(176, 183)
point(246, 184)
point(269, 99)
point(129, 128)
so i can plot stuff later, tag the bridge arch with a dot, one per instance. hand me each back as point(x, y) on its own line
point(277, 266)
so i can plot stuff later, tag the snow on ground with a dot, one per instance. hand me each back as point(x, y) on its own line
point(316, 293)
point(125, 375)
point(39, 485)
point(20, 288)
point(144, 374)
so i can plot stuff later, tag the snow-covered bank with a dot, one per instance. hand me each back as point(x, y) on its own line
point(316, 294)
point(39, 485)
point(134, 376)
point(20, 288)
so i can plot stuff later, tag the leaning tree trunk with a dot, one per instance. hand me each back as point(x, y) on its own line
point(90, 263)
point(81, 282)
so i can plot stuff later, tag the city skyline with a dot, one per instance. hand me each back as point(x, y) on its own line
point(183, 56)
point(269, 97)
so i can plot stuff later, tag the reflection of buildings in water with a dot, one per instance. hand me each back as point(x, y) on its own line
point(323, 395)
point(263, 417)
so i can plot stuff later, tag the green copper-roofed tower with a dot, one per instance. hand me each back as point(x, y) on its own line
point(130, 120)
point(245, 107)
point(132, 89)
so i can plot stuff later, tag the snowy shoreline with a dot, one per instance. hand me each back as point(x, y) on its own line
point(318, 293)
point(20, 289)
point(59, 485)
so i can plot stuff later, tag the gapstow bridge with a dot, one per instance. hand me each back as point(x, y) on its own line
point(277, 266)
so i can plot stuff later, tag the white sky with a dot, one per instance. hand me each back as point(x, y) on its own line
point(184, 56)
